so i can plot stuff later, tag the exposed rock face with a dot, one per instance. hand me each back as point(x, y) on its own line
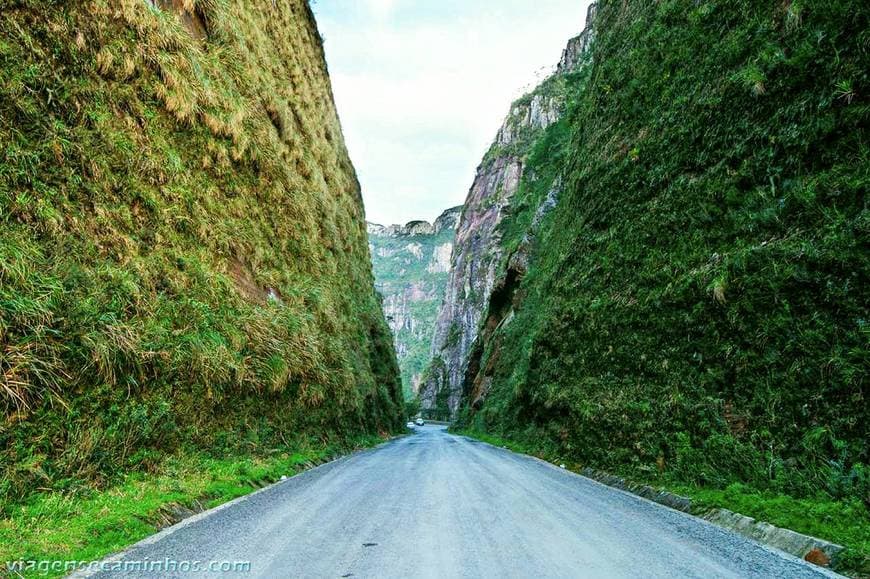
point(670, 307)
point(475, 257)
point(440, 262)
point(478, 252)
point(411, 264)
point(578, 46)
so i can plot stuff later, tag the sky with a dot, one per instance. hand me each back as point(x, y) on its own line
point(422, 87)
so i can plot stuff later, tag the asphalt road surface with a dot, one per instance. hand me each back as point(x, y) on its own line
point(437, 505)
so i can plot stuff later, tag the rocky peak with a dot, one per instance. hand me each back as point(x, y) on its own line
point(448, 219)
point(578, 46)
point(419, 228)
point(543, 105)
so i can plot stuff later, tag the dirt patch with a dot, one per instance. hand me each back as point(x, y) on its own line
point(818, 557)
point(245, 283)
point(193, 19)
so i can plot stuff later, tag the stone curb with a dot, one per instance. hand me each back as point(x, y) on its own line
point(809, 548)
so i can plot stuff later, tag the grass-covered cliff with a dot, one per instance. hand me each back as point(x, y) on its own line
point(694, 308)
point(183, 255)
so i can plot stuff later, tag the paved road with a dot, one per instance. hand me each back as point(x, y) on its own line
point(437, 505)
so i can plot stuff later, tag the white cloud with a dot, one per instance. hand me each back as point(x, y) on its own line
point(423, 85)
point(381, 8)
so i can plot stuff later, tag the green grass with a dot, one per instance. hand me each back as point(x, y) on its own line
point(499, 441)
point(845, 522)
point(89, 525)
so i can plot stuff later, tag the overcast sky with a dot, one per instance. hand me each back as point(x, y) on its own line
point(423, 85)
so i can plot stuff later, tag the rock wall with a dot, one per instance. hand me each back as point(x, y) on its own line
point(183, 256)
point(682, 288)
point(479, 251)
point(411, 262)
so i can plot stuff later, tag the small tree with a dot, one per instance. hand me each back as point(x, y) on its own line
point(412, 407)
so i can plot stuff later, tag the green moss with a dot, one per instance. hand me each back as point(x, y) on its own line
point(453, 335)
point(89, 525)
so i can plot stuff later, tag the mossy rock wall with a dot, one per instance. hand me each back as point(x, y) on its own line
point(183, 256)
point(696, 304)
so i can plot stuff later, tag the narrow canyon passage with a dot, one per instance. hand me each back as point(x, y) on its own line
point(239, 239)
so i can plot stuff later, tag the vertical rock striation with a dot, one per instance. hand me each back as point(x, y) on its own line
point(479, 251)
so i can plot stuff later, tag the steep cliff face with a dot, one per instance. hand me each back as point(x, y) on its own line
point(480, 249)
point(680, 286)
point(183, 256)
point(411, 263)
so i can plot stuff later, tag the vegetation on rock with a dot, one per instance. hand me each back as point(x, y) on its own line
point(479, 246)
point(411, 264)
point(183, 256)
point(694, 309)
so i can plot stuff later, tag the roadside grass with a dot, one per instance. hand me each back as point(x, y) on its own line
point(89, 525)
point(845, 522)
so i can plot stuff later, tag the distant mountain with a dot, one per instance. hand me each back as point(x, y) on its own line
point(411, 262)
